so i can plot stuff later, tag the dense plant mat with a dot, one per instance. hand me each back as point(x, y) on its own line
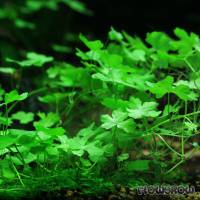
point(127, 113)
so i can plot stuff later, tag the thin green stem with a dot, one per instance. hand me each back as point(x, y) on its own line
point(169, 145)
point(17, 173)
point(175, 118)
point(175, 166)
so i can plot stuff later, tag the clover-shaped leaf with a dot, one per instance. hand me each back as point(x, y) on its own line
point(137, 110)
point(95, 152)
point(184, 92)
point(119, 120)
point(23, 117)
point(33, 59)
point(167, 85)
point(159, 41)
point(15, 96)
point(47, 121)
point(162, 87)
point(92, 45)
point(136, 55)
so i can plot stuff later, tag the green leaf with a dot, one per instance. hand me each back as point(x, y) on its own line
point(186, 42)
point(6, 170)
point(54, 97)
point(29, 158)
point(193, 61)
point(122, 157)
point(115, 103)
point(114, 35)
point(33, 59)
point(109, 150)
point(5, 120)
point(118, 120)
point(111, 60)
point(128, 126)
point(15, 96)
point(26, 139)
point(92, 45)
point(48, 120)
point(23, 117)
point(162, 87)
point(23, 137)
point(16, 160)
point(137, 55)
point(191, 126)
point(135, 42)
point(6, 141)
point(138, 165)
point(52, 151)
point(95, 153)
point(159, 40)
point(181, 34)
point(193, 84)
point(166, 86)
point(68, 75)
point(184, 92)
point(170, 109)
point(137, 110)
point(115, 120)
point(120, 76)
point(62, 49)
point(77, 146)
point(7, 70)
point(20, 23)
point(78, 6)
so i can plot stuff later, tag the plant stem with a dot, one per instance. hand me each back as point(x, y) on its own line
point(169, 145)
point(17, 173)
point(178, 117)
point(175, 166)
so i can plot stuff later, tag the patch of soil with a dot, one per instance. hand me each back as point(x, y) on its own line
point(121, 194)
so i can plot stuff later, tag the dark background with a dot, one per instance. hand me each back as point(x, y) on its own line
point(137, 17)
point(140, 16)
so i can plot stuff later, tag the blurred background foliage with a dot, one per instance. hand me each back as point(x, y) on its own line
point(37, 25)
point(52, 26)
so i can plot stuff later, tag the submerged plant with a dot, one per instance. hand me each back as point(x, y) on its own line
point(115, 118)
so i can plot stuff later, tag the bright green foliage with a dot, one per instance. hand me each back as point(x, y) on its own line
point(162, 87)
point(67, 76)
point(119, 120)
point(123, 157)
point(114, 35)
point(47, 120)
point(23, 117)
point(110, 119)
point(137, 110)
point(92, 45)
point(15, 11)
point(15, 96)
point(6, 141)
point(166, 86)
point(7, 70)
point(7, 170)
point(160, 41)
point(33, 59)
